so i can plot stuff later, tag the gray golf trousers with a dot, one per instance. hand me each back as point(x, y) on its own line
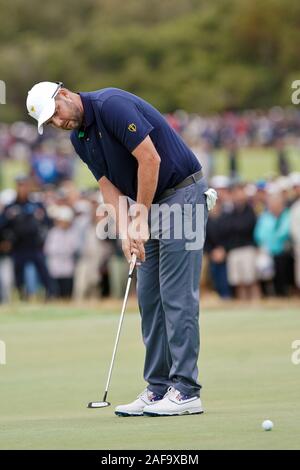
point(168, 296)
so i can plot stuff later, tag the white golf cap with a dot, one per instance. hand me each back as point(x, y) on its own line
point(64, 213)
point(41, 102)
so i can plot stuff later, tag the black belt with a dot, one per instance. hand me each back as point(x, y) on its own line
point(186, 182)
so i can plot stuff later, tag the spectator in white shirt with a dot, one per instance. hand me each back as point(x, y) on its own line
point(61, 246)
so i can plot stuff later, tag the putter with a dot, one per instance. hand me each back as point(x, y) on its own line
point(104, 403)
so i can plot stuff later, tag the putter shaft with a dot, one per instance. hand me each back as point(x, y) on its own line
point(131, 269)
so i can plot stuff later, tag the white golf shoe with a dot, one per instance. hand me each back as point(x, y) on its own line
point(174, 403)
point(136, 408)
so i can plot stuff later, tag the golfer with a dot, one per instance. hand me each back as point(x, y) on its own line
point(132, 151)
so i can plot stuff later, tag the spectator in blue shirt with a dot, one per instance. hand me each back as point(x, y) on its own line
point(272, 233)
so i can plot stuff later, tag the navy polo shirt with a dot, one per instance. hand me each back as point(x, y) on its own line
point(115, 123)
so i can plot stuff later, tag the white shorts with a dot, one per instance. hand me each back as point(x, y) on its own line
point(241, 267)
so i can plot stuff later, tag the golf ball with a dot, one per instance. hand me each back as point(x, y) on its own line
point(267, 425)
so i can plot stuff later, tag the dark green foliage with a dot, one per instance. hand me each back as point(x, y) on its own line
point(200, 55)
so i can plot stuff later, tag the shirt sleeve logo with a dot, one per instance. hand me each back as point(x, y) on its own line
point(132, 127)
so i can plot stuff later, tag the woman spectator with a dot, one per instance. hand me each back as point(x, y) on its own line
point(272, 234)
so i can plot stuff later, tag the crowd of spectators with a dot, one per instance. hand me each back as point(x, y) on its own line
point(248, 128)
point(50, 158)
point(253, 238)
point(48, 227)
point(49, 243)
point(49, 238)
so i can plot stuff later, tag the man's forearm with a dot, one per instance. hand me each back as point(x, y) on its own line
point(113, 196)
point(148, 170)
point(147, 182)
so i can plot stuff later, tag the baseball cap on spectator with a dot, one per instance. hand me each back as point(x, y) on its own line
point(250, 189)
point(273, 188)
point(22, 178)
point(220, 182)
point(284, 183)
point(261, 185)
point(64, 214)
point(41, 102)
point(82, 206)
point(294, 179)
point(52, 210)
point(7, 196)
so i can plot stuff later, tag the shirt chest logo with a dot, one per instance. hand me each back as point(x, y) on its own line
point(132, 127)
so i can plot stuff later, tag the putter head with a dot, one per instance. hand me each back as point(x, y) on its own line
point(98, 404)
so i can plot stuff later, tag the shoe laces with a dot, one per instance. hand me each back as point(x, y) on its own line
point(172, 392)
point(151, 396)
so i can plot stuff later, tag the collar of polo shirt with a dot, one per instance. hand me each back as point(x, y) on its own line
point(89, 116)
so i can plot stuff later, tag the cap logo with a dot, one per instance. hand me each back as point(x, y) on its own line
point(132, 127)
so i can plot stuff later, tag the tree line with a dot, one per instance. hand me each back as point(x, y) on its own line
point(203, 56)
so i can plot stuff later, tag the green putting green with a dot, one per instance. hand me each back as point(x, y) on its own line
point(58, 358)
